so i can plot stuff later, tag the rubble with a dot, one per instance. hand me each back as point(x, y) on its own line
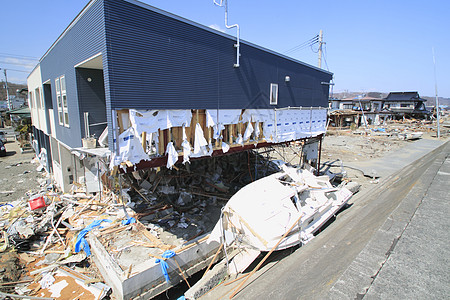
point(120, 234)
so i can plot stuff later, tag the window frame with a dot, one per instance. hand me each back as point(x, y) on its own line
point(61, 101)
point(273, 96)
point(31, 97)
point(39, 99)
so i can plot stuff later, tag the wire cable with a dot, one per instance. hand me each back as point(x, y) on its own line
point(19, 56)
point(17, 64)
point(303, 45)
point(325, 56)
point(15, 70)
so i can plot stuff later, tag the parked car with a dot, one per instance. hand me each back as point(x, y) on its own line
point(2, 137)
point(2, 149)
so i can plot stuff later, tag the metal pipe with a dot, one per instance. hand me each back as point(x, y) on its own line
point(224, 3)
point(320, 154)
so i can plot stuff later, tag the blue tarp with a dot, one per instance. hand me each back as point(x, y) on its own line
point(81, 242)
point(164, 265)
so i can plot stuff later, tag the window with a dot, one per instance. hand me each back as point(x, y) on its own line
point(404, 105)
point(347, 106)
point(273, 94)
point(61, 100)
point(31, 100)
point(37, 96)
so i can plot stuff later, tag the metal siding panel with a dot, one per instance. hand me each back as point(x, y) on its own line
point(85, 39)
point(157, 62)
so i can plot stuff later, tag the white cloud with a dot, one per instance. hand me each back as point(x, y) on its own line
point(217, 27)
point(16, 79)
point(23, 63)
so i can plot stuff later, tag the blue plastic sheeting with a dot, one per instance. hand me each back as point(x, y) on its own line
point(163, 264)
point(81, 242)
point(379, 129)
point(129, 221)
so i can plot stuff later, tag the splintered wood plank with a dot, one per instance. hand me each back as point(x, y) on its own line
point(123, 120)
point(161, 145)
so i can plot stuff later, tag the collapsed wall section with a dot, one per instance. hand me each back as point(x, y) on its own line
point(155, 138)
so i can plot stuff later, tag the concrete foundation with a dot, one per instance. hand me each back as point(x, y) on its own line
point(147, 280)
point(209, 281)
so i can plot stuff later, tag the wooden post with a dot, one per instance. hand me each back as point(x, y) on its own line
point(144, 141)
point(160, 142)
point(230, 133)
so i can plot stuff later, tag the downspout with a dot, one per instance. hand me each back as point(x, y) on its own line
point(224, 3)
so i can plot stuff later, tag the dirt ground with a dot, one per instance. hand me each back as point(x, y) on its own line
point(18, 173)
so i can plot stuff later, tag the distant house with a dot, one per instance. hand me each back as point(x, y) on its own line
point(16, 102)
point(406, 104)
point(131, 74)
point(374, 110)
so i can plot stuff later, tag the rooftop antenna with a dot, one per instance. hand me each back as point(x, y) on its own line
point(438, 118)
point(224, 3)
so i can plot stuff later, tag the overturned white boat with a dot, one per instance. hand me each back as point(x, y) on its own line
point(262, 213)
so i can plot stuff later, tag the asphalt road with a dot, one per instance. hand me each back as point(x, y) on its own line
point(368, 240)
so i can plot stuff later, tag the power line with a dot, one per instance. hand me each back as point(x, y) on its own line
point(17, 64)
point(325, 56)
point(15, 70)
point(19, 56)
point(303, 45)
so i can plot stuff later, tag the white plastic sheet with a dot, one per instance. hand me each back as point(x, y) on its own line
point(130, 149)
point(186, 147)
point(218, 118)
point(200, 142)
point(248, 131)
point(225, 147)
point(172, 155)
point(222, 116)
point(152, 120)
point(257, 115)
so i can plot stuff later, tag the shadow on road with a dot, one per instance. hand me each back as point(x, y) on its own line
point(10, 153)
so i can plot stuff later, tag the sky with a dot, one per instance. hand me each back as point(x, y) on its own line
point(383, 45)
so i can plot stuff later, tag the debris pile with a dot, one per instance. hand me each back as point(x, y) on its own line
point(39, 247)
point(44, 235)
point(67, 245)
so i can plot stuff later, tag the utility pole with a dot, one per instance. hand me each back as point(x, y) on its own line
point(438, 118)
point(320, 47)
point(7, 92)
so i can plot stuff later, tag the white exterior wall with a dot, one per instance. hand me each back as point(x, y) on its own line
point(34, 81)
point(398, 104)
point(343, 103)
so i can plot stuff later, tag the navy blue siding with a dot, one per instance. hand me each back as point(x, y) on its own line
point(85, 39)
point(91, 97)
point(158, 62)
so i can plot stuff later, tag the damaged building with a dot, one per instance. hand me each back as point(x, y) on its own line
point(133, 96)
